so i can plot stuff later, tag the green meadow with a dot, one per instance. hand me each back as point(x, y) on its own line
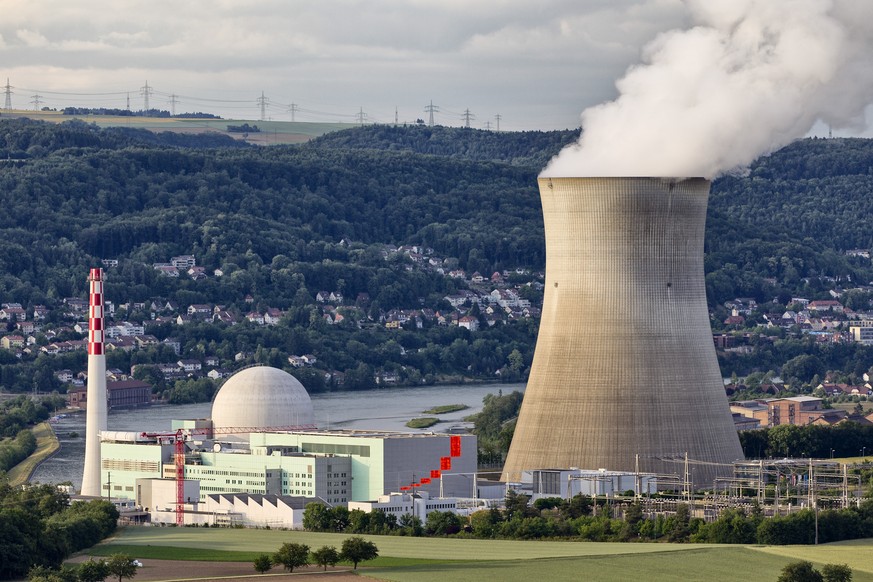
point(413, 559)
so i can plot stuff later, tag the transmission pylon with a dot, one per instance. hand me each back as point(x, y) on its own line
point(8, 105)
point(36, 102)
point(430, 109)
point(262, 103)
point(173, 101)
point(145, 91)
point(293, 109)
point(396, 116)
point(488, 126)
point(467, 117)
point(128, 101)
point(360, 116)
point(498, 117)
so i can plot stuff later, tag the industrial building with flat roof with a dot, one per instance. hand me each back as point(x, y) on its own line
point(261, 440)
point(335, 466)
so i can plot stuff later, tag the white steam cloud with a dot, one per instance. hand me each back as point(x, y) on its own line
point(748, 78)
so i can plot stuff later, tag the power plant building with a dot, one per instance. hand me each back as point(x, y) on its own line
point(625, 375)
point(270, 454)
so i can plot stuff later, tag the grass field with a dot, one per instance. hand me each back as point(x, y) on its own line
point(272, 132)
point(421, 559)
point(46, 445)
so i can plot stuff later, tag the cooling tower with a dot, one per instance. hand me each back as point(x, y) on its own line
point(96, 415)
point(624, 363)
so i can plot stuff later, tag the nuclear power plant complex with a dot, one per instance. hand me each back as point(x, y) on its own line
point(624, 338)
point(625, 335)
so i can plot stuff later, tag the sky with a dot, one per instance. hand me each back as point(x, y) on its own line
point(537, 65)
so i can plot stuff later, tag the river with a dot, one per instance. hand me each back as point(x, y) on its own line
point(385, 409)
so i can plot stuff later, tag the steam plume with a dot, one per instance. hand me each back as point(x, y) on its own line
point(748, 78)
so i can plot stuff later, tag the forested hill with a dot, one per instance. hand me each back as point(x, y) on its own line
point(73, 194)
point(791, 218)
point(527, 148)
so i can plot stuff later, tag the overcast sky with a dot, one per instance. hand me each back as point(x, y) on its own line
point(537, 64)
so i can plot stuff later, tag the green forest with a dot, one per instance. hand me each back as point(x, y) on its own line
point(285, 222)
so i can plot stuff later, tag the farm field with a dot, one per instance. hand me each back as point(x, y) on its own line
point(421, 559)
point(272, 132)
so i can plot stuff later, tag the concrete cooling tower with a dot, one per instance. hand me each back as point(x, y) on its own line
point(624, 363)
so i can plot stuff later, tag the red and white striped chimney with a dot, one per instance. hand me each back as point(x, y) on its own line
point(95, 313)
point(97, 405)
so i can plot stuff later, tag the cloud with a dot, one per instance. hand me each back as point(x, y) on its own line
point(32, 38)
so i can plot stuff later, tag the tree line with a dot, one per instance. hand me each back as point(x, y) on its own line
point(584, 518)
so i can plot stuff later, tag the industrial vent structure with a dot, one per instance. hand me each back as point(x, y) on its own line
point(625, 363)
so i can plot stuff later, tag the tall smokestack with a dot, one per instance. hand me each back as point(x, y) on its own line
point(624, 363)
point(95, 421)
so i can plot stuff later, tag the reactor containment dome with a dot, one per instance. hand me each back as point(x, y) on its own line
point(262, 397)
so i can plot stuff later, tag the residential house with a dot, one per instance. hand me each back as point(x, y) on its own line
point(224, 317)
point(190, 365)
point(183, 262)
point(825, 305)
point(13, 314)
point(200, 310)
point(255, 317)
point(273, 316)
point(12, 341)
point(469, 322)
point(26, 327)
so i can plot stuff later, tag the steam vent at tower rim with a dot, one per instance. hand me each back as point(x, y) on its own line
point(624, 363)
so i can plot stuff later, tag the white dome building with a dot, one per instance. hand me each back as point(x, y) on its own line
point(262, 397)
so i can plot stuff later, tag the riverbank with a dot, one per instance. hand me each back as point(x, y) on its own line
point(47, 444)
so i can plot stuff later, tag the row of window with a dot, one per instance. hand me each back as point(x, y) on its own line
point(129, 465)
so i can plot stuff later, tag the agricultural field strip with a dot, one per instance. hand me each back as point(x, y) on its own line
point(394, 546)
point(741, 562)
point(857, 554)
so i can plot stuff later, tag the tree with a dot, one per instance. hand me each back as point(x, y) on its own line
point(291, 556)
point(357, 549)
point(121, 566)
point(263, 564)
point(93, 571)
point(326, 556)
point(836, 573)
point(317, 517)
point(800, 572)
point(442, 523)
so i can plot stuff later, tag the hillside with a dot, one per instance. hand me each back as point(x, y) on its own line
point(286, 222)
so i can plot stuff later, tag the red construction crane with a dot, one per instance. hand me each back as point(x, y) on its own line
point(183, 434)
